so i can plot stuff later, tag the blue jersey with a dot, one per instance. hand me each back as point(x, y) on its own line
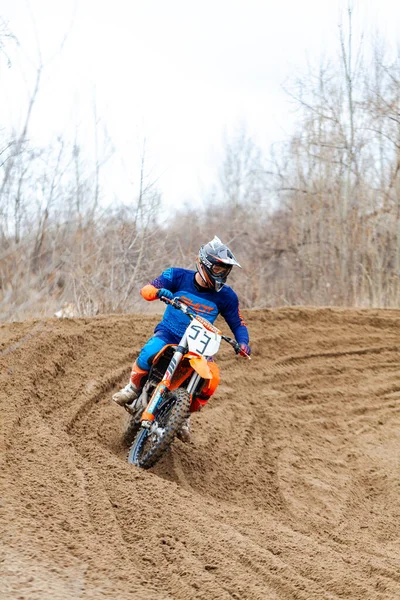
point(207, 303)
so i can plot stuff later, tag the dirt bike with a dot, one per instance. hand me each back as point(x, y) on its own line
point(175, 380)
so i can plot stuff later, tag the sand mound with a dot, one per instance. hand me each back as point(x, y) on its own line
point(290, 489)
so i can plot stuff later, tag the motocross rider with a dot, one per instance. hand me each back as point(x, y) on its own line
point(205, 292)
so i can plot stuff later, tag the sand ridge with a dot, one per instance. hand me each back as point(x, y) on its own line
point(290, 489)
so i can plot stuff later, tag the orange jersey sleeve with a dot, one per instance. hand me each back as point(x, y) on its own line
point(149, 292)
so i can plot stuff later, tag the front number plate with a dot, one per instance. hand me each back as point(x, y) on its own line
point(201, 341)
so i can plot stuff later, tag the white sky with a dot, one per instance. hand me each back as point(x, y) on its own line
point(179, 72)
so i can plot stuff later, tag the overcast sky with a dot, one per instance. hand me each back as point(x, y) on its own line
point(178, 72)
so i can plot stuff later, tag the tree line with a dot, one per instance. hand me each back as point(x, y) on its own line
point(315, 222)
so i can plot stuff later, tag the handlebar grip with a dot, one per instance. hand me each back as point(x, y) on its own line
point(235, 345)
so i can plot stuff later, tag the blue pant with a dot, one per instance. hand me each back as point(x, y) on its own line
point(153, 347)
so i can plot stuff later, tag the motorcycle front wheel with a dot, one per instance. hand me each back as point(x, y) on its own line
point(150, 444)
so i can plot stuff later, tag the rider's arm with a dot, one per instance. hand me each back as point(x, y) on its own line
point(165, 280)
point(232, 315)
point(149, 292)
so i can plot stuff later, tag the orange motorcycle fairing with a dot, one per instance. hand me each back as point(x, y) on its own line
point(200, 365)
point(161, 352)
point(190, 362)
point(183, 371)
point(211, 385)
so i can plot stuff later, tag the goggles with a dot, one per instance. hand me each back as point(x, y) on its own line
point(221, 269)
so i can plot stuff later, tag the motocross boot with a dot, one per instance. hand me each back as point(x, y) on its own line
point(127, 394)
point(183, 433)
point(131, 391)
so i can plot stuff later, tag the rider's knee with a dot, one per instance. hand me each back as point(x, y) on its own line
point(149, 351)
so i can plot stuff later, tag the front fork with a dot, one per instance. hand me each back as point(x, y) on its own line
point(148, 415)
point(193, 383)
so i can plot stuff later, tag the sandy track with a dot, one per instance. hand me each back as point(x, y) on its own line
point(290, 489)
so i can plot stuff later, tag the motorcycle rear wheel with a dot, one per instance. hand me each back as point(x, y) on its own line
point(148, 447)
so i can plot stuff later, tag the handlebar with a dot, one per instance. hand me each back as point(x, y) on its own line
point(179, 305)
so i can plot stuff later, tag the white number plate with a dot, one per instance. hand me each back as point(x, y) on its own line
point(201, 341)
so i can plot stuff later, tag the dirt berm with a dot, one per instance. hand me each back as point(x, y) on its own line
point(289, 490)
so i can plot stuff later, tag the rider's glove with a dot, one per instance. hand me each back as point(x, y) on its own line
point(245, 350)
point(166, 293)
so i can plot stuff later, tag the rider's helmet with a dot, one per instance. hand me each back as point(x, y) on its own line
point(214, 263)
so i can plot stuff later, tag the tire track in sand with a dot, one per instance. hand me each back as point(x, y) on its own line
point(289, 490)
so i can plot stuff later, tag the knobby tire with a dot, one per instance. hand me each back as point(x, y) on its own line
point(172, 413)
point(131, 431)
